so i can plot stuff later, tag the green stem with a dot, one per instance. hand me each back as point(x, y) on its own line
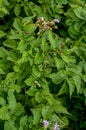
point(45, 128)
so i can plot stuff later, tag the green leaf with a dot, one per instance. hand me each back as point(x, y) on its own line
point(29, 81)
point(49, 98)
point(84, 92)
point(11, 100)
point(9, 125)
point(68, 59)
point(36, 115)
point(4, 10)
point(2, 34)
point(52, 40)
point(64, 89)
point(78, 25)
point(3, 52)
point(38, 97)
point(72, 31)
point(71, 86)
point(31, 91)
point(60, 109)
point(58, 77)
point(19, 109)
point(77, 81)
point(10, 76)
point(10, 43)
point(38, 58)
point(2, 71)
point(12, 56)
point(17, 25)
point(46, 112)
point(22, 45)
point(17, 9)
point(84, 78)
point(77, 69)
point(45, 46)
point(0, 2)
point(4, 114)
point(27, 20)
point(65, 120)
point(59, 63)
point(2, 101)
point(35, 71)
point(30, 28)
point(20, 128)
point(85, 67)
point(62, 2)
point(25, 57)
point(23, 121)
point(79, 13)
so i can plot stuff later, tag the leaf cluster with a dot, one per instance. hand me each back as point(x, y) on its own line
point(42, 75)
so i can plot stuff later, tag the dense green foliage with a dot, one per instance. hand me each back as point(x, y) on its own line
point(42, 70)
